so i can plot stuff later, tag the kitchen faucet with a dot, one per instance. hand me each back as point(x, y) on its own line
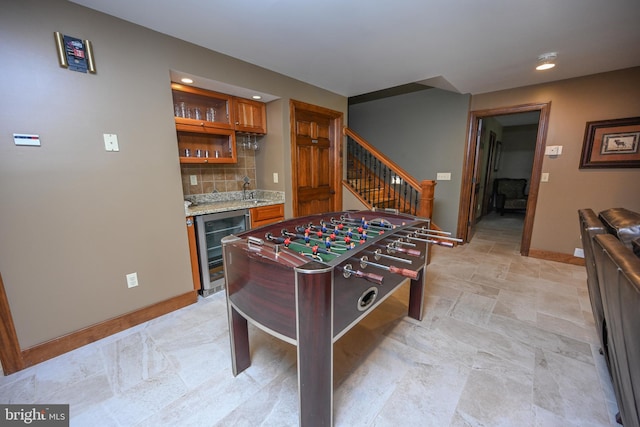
point(244, 190)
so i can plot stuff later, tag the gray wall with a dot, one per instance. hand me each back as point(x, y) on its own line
point(76, 219)
point(423, 132)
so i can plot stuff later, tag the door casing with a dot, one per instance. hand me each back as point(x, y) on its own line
point(468, 169)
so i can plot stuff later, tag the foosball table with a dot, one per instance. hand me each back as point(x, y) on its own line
point(309, 280)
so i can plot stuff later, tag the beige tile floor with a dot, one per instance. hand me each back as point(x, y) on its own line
point(505, 341)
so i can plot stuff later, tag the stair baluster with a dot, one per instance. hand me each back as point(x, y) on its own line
point(380, 183)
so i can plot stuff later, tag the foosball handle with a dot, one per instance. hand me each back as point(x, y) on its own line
point(441, 243)
point(375, 278)
point(410, 252)
point(404, 272)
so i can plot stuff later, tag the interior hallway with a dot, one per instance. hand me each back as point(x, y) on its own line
point(505, 341)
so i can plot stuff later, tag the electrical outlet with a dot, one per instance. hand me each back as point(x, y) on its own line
point(132, 280)
point(578, 252)
point(275, 177)
point(193, 179)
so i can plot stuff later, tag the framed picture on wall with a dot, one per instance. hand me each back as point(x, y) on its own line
point(611, 144)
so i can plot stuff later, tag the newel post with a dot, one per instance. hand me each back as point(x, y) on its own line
point(427, 188)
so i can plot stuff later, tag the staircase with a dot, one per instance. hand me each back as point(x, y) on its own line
point(381, 184)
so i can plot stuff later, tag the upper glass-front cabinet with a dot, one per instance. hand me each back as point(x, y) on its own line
point(197, 109)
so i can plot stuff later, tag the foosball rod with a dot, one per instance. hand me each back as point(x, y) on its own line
point(428, 230)
point(337, 246)
point(391, 247)
point(377, 254)
point(434, 236)
point(328, 233)
point(355, 223)
point(281, 240)
point(348, 271)
point(437, 241)
point(376, 222)
point(364, 262)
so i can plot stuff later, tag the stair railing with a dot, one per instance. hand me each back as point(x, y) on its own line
point(378, 182)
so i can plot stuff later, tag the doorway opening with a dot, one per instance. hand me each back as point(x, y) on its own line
point(482, 162)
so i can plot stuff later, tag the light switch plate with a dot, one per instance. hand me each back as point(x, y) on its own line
point(132, 280)
point(443, 176)
point(111, 142)
point(544, 177)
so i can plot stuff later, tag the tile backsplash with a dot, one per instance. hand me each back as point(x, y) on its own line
point(220, 177)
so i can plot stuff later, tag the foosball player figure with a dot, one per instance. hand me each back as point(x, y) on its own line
point(319, 234)
point(347, 240)
point(314, 249)
point(306, 238)
point(323, 227)
point(287, 242)
point(349, 232)
point(333, 237)
point(351, 246)
point(327, 243)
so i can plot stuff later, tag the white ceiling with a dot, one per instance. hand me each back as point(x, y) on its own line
point(353, 47)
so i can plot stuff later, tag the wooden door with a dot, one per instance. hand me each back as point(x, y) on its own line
point(487, 194)
point(477, 159)
point(315, 159)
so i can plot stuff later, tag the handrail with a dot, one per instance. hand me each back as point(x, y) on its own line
point(397, 169)
point(424, 188)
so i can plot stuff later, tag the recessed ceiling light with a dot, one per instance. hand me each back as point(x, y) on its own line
point(546, 61)
point(186, 80)
point(256, 97)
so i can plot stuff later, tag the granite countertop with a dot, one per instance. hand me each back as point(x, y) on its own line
point(202, 204)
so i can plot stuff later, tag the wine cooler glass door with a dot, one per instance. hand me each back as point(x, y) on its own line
point(211, 229)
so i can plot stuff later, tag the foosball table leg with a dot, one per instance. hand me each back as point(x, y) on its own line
point(314, 307)
point(239, 334)
point(416, 296)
